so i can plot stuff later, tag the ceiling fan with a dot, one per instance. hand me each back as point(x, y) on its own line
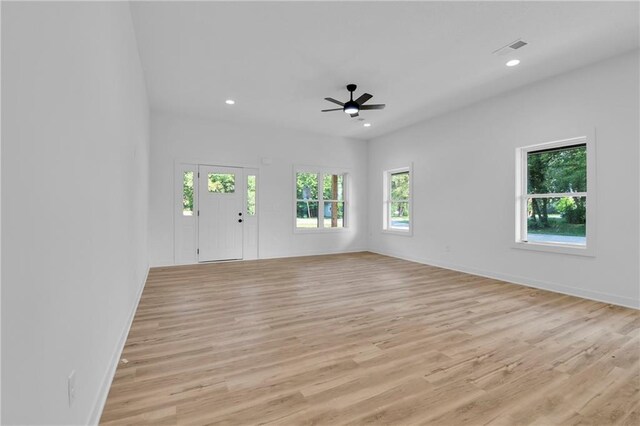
point(352, 107)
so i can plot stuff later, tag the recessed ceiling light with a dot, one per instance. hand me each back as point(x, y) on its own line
point(367, 124)
point(229, 102)
point(513, 62)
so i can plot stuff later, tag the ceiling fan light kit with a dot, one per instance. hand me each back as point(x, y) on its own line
point(352, 107)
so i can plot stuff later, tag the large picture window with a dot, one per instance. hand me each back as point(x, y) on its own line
point(397, 200)
point(320, 200)
point(555, 194)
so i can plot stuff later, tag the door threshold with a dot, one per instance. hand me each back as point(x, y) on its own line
point(221, 261)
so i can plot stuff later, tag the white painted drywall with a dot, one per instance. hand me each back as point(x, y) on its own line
point(464, 184)
point(0, 232)
point(74, 203)
point(175, 139)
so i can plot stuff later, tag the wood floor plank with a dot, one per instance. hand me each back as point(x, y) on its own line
point(362, 338)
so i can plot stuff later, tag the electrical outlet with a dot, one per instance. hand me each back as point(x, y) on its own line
point(71, 387)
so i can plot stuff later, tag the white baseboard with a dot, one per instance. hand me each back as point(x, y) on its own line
point(315, 253)
point(627, 302)
point(163, 264)
point(101, 399)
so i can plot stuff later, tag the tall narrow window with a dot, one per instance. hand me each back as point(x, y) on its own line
point(554, 195)
point(397, 202)
point(251, 195)
point(187, 194)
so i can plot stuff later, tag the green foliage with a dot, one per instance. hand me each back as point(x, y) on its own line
point(565, 204)
point(221, 182)
point(399, 210)
point(308, 181)
point(557, 171)
point(187, 191)
point(400, 192)
point(400, 186)
point(307, 185)
point(573, 209)
point(251, 195)
point(332, 187)
point(307, 209)
point(563, 170)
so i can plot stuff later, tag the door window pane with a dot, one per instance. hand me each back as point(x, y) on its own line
point(333, 187)
point(187, 194)
point(223, 183)
point(333, 215)
point(307, 214)
point(251, 195)
point(557, 220)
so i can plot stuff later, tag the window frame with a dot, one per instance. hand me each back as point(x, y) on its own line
point(522, 196)
point(322, 172)
point(387, 201)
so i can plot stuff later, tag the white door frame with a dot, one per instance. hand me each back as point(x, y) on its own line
point(185, 238)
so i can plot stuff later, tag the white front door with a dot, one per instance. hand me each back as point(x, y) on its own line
point(220, 222)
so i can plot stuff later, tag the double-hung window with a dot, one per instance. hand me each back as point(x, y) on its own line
point(555, 208)
point(321, 200)
point(397, 201)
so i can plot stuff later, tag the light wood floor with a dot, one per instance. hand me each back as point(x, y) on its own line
point(362, 338)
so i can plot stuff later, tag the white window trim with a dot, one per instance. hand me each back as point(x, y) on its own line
point(386, 179)
point(521, 196)
point(322, 171)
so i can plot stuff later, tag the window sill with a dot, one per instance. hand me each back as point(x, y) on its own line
point(398, 232)
point(556, 248)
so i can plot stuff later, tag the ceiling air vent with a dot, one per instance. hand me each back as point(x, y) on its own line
point(514, 45)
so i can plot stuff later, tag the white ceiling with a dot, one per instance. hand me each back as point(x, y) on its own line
point(279, 60)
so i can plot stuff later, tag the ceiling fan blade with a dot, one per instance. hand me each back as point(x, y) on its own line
point(354, 115)
point(334, 101)
point(334, 109)
point(363, 98)
point(378, 106)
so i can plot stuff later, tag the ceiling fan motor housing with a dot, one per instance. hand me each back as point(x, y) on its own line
point(351, 107)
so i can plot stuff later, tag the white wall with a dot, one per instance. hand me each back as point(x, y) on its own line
point(74, 203)
point(464, 184)
point(220, 143)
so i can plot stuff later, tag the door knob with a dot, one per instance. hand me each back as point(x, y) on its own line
point(240, 214)
point(239, 220)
